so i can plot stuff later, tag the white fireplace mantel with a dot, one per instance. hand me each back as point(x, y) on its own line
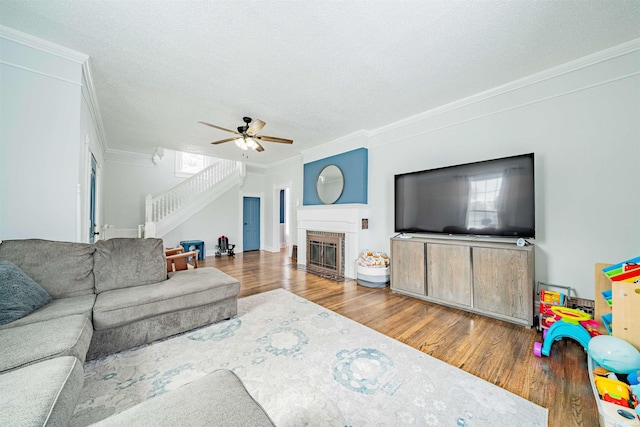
point(345, 219)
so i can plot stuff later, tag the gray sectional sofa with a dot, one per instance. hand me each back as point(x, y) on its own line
point(104, 298)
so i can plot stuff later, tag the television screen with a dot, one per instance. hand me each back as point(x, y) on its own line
point(488, 198)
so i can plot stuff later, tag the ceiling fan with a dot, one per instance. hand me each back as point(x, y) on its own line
point(247, 135)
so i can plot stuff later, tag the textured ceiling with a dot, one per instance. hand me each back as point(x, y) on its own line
point(313, 70)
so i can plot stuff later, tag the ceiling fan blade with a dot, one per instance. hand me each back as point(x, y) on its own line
point(218, 127)
point(274, 139)
point(224, 140)
point(255, 127)
point(259, 148)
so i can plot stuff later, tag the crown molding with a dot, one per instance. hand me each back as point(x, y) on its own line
point(42, 45)
point(568, 67)
point(92, 102)
point(352, 141)
point(295, 160)
point(128, 158)
point(289, 161)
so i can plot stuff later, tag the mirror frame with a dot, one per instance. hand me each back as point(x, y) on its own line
point(325, 202)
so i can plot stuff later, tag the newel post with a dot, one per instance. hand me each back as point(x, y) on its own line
point(149, 225)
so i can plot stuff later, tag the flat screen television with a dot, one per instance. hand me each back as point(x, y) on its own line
point(487, 198)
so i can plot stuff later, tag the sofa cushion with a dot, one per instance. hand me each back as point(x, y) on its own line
point(125, 262)
point(19, 294)
point(28, 344)
point(185, 289)
point(228, 403)
point(58, 308)
point(43, 394)
point(67, 272)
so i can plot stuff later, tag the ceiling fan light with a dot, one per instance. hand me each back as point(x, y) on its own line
point(241, 143)
point(251, 143)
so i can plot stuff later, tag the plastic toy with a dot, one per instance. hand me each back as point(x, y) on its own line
point(614, 354)
point(634, 378)
point(547, 318)
point(224, 247)
point(618, 268)
point(568, 326)
point(607, 295)
point(551, 297)
point(591, 326)
point(635, 390)
point(613, 391)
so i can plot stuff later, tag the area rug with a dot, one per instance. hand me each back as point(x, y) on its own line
point(307, 366)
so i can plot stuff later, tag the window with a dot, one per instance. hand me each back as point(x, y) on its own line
point(188, 164)
point(484, 194)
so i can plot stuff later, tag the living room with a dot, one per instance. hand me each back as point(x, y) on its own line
point(578, 114)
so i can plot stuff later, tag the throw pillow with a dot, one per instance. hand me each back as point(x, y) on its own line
point(19, 294)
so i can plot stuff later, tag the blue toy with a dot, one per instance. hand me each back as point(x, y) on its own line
point(614, 354)
point(635, 390)
point(568, 326)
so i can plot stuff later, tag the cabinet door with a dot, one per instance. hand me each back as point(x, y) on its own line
point(502, 282)
point(449, 273)
point(408, 266)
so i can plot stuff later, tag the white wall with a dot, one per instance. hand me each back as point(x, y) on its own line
point(129, 178)
point(219, 218)
point(287, 174)
point(40, 124)
point(91, 144)
point(583, 126)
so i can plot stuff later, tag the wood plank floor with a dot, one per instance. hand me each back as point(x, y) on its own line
point(495, 351)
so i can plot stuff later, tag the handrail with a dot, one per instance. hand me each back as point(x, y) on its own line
point(163, 205)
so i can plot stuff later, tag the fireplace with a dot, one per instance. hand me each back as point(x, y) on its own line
point(342, 221)
point(325, 254)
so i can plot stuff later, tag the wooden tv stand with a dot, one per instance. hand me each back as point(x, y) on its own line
point(490, 277)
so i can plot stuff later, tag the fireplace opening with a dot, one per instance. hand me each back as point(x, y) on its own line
point(325, 254)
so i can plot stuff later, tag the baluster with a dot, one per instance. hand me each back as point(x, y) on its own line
point(147, 208)
point(176, 200)
point(165, 205)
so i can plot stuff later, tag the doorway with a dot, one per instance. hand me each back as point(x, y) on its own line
point(251, 223)
point(283, 225)
point(92, 201)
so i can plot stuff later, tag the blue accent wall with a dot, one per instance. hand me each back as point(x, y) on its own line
point(355, 168)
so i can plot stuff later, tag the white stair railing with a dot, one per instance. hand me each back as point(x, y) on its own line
point(162, 206)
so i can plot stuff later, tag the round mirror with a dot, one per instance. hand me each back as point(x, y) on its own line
point(330, 184)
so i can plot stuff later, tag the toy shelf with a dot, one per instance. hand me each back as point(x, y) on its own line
point(620, 318)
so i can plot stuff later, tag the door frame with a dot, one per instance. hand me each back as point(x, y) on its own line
point(275, 243)
point(93, 198)
point(83, 196)
point(240, 244)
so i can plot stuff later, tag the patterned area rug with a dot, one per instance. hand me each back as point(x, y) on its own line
point(307, 366)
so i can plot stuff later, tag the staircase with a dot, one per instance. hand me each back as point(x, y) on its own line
point(168, 210)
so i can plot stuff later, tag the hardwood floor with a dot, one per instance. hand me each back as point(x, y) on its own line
point(493, 350)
